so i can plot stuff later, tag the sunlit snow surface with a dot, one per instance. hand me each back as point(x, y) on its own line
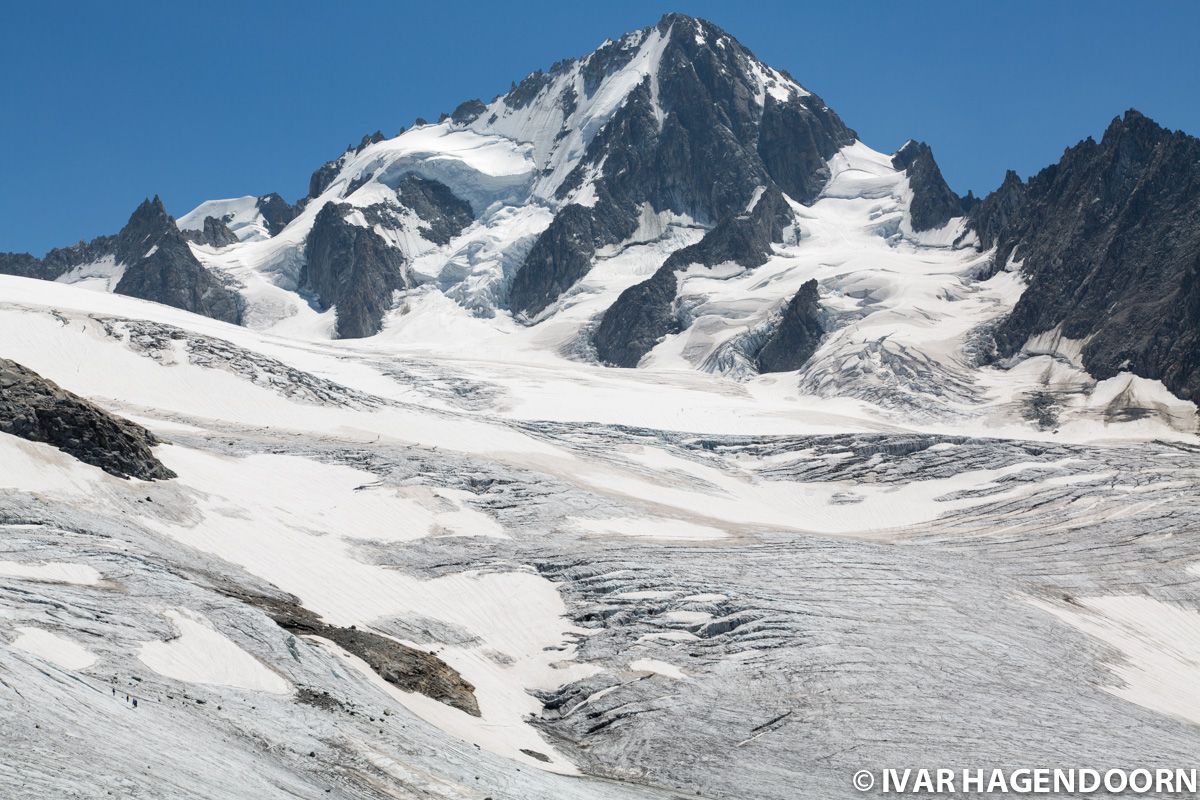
point(671, 558)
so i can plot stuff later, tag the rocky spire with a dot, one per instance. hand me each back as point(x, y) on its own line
point(933, 203)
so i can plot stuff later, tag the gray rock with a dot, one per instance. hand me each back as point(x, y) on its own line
point(933, 203)
point(445, 212)
point(36, 409)
point(159, 265)
point(795, 340)
point(468, 111)
point(215, 233)
point(408, 668)
point(56, 262)
point(321, 179)
point(276, 211)
point(638, 320)
point(352, 268)
point(561, 256)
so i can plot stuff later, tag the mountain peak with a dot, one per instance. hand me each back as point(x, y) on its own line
point(685, 23)
point(149, 211)
point(1135, 123)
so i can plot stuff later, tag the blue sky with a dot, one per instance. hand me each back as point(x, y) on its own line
point(105, 104)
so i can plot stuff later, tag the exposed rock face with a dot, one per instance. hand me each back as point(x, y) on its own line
point(997, 214)
point(638, 320)
point(468, 111)
point(215, 233)
point(1109, 240)
point(795, 340)
point(560, 256)
point(642, 315)
point(36, 409)
point(796, 140)
point(933, 203)
point(408, 668)
point(702, 145)
point(352, 268)
point(24, 265)
point(445, 212)
point(323, 176)
point(321, 179)
point(161, 267)
point(742, 238)
point(276, 211)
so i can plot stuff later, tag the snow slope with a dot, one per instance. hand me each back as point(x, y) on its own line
point(489, 503)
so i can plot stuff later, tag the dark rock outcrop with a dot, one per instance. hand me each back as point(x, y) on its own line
point(407, 668)
point(743, 238)
point(323, 176)
point(25, 265)
point(1109, 241)
point(561, 256)
point(796, 140)
point(352, 268)
point(445, 213)
point(36, 409)
point(795, 340)
point(468, 111)
point(703, 151)
point(161, 267)
point(998, 213)
point(933, 203)
point(643, 314)
point(215, 233)
point(276, 211)
point(367, 140)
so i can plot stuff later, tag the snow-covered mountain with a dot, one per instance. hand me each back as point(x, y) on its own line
point(640, 433)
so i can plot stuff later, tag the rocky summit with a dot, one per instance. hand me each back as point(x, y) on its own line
point(638, 433)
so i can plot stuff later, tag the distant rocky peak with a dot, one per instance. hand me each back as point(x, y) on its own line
point(1132, 123)
point(150, 213)
point(149, 223)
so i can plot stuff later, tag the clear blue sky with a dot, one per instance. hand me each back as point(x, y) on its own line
point(106, 103)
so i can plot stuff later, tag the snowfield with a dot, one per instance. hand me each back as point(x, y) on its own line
point(579, 544)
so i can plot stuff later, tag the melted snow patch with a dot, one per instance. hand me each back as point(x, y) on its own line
point(201, 654)
point(1160, 642)
point(53, 648)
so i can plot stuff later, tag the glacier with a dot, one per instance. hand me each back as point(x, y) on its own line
point(464, 558)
